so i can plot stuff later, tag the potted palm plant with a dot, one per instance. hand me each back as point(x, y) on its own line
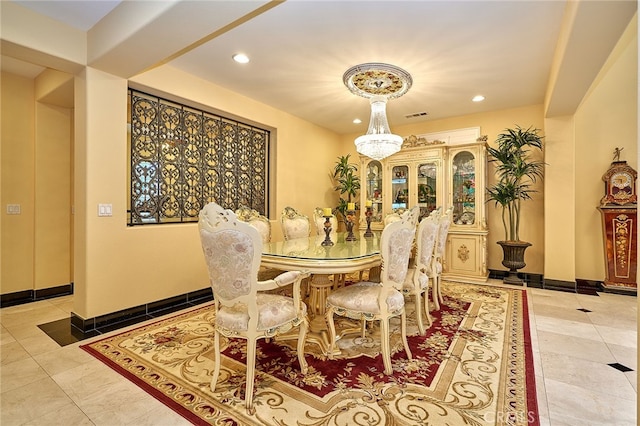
point(347, 182)
point(517, 170)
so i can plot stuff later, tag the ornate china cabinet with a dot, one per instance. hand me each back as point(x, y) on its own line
point(444, 169)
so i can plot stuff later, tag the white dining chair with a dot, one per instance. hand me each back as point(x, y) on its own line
point(294, 224)
point(243, 310)
point(416, 284)
point(439, 256)
point(371, 301)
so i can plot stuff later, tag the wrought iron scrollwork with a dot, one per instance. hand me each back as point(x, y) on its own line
point(183, 158)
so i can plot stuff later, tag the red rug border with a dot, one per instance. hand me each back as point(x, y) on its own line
point(530, 374)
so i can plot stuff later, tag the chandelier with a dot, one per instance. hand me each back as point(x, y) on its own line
point(378, 82)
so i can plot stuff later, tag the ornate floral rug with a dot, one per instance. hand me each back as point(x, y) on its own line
point(474, 367)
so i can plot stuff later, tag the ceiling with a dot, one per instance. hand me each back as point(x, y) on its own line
point(299, 49)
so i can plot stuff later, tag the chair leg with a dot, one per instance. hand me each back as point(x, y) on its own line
point(302, 336)
point(426, 308)
point(418, 312)
point(434, 293)
point(403, 322)
point(440, 298)
point(251, 370)
point(385, 345)
point(216, 368)
point(332, 331)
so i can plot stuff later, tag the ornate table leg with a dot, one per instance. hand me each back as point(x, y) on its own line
point(319, 288)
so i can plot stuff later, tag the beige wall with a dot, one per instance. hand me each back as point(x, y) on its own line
point(36, 169)
point(150, 263)
point(559, 200)
point(606, 118)
point(18, 175)
point(52, 255)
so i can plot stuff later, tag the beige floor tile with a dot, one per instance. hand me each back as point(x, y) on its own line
point(625, 355)
point(120, 403)
point(39, 344)
point(573, 405)
point(63, 359)
point(162, 416)
point(68, 414)
point(20, 373)
point(5, 336)
point(632, 376)
point(618, 336)
point(86, 380)
point(588, 375)
point(567, 327)
point(554, 311)
point(12, 352)
point(31, 402)
point(42, 312)
point(577, 347)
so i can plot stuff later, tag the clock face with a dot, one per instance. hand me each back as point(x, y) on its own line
point(621, 180)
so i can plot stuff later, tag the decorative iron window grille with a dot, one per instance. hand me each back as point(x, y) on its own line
point(183, 158)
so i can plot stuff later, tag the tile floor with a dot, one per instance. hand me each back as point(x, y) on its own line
point(578, 341)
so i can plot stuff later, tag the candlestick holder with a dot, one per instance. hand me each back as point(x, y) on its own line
point(349, 223)
point(327, 230)
point(368, 214)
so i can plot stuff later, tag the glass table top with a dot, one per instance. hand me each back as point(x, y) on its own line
point(312, 248)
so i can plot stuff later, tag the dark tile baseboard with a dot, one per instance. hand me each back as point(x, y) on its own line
point(28, 296)
point(532, 280)
point(136, 314)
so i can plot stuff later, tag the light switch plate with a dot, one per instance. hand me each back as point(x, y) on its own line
point(13, 209)
point(105, 209)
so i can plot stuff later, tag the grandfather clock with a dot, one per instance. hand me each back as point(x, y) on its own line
point(619, 226)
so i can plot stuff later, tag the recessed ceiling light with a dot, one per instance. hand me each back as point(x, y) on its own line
point(478, 98)
point(241, 58)
point(357, 121)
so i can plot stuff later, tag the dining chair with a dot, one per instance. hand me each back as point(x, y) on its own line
point(255, 219)
point(294, 224)
point(438, 256)
point(370, 301)
point(416, 283)
point(232, 251)
point(394, 216)
point(262, 224)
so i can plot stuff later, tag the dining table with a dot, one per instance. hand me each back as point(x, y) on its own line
point(323, 262)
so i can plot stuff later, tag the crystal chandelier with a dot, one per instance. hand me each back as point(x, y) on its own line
point(378, 82)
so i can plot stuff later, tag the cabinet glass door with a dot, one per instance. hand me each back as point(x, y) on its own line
point(464, 188)
point(373, 188)
point(400, 187)
point(427, 174)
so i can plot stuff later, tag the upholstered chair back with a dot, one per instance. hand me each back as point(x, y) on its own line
point(396, 243)
point(255, 219)
point(394, 217)
point(445, 223)
point(232, 251)
point(294, 224)
point(427, 236)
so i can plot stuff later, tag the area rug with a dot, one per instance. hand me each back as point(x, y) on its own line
point(473, 367)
